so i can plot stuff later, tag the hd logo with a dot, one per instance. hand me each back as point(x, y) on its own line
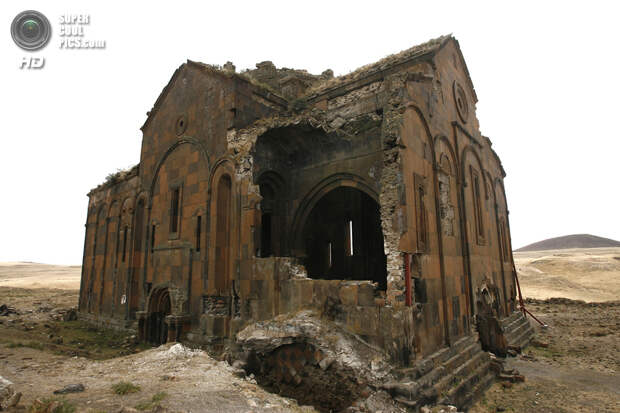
point(31, 31)
point(32, 62)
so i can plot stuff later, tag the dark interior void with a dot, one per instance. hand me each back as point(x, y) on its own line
point(272, 211)
point(343, 238)
point(294, 370)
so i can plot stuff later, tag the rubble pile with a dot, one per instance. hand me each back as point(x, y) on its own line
point(313, 361)
point(6, 310)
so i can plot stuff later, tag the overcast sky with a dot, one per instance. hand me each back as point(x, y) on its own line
point(546, 76)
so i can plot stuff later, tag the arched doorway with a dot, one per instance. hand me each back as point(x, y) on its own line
point(159, 308)
point(343, 239)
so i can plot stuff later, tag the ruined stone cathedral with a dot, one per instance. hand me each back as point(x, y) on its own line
point(371, 198)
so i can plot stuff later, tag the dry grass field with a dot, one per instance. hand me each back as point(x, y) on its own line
point(588, 274)
point(33, 275)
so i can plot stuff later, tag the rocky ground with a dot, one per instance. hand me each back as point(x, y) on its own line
point(42, 350)
point(573, 366)
point(171, 377)
point(41, 353)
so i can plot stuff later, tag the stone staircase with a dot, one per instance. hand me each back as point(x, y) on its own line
point(456, 375)
point(517, 330)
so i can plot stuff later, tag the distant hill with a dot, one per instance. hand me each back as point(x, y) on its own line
point(571, 241)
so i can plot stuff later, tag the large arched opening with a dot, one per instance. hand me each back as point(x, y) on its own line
point(319, 200)
point(342, 238)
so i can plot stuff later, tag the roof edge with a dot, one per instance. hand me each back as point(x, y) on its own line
point(358, 75)
point(161, 97)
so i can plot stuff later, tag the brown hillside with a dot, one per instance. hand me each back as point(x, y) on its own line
point(571, 241)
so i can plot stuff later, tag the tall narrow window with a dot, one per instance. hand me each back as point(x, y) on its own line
point(420, 212)
point(329, 255)
point(422, 219)
point(125, 243)
point(349, 238)
point(174, 210)
point(152, 238)
point(118, 241)
point(477, 206)
point(198, 232)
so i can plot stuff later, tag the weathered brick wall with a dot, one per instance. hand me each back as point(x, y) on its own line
point(442, 144)
point(108, 247)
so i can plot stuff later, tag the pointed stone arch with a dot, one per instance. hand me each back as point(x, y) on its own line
point(159, 306)
point(186, 140)
point(223, 226)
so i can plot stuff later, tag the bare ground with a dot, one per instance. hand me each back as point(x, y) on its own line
point(573, 366)
point(40, 353)
point(589, 274)
point(183, 380)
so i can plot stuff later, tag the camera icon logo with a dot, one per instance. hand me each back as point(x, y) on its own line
point(31, 30)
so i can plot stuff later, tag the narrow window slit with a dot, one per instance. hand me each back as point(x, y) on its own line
point(174, 210)
point(152, 238)
point(350, 238)
point(198, 230)
point(329, 255)
point(125, 243)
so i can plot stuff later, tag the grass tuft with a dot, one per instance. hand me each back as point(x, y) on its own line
point(125, 387)
point(32, 344)
point(51, 405)
point(154, 402)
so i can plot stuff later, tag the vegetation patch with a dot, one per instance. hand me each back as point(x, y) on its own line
point(32, 344)
point(545, 352)
point(154, 402)
point(51, 405)
point(72, 338)
point(125, 387)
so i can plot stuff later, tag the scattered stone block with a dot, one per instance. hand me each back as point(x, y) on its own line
point(8, 396)
point(71, 388)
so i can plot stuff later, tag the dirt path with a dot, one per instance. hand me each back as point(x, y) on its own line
point(586, 380)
